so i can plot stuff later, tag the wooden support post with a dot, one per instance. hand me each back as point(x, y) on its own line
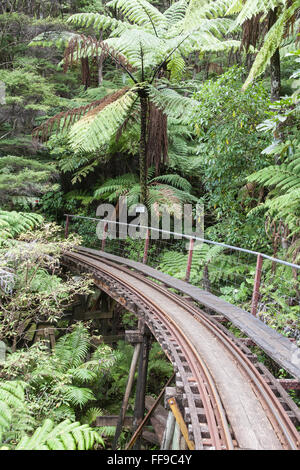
point(139, 408)
point(104, 237)
point(67, 227)
point(169, 432)
point(190, 259)
point(256, 289)
point(134, 362)
point(146, 247)
point(181, 424)
point(147, 417)
point(176, 437)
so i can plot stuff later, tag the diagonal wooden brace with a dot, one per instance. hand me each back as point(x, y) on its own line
point(179, 419)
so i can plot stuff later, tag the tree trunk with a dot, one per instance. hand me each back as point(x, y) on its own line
point(274, 63)
point(143, 148)
point(275, 76)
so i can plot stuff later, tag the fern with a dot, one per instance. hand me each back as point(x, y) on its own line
point(176, 181)
point(78, 396)
point(177, 191)
point(72, 349)
point(94, 131)
point(98, 22)
point(172, 103)
point(14, 413)
point(64, 436)
point(140, 12)
point(14, 223)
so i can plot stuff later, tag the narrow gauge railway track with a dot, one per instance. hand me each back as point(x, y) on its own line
point(209, 424)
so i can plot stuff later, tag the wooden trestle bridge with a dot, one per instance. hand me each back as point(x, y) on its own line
point(223, 398)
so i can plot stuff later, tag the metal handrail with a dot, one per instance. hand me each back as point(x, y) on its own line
point(190, 237)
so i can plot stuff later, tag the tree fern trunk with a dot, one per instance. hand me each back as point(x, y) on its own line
point(275, 76)
point(274, 63)
point(143, 148)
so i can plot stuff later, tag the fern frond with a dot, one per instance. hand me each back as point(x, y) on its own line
point(14, 223)
point(64, 436)
point(77, 396)
point(72, 349)
point(175, 181)
point(171, 102)
point(140, 12)
point(120, 185)
point(199, 10)
point(98, 22)
point(251, 9)
point(272, 42)
point(176, 12)
point(96, 130)
point(64, 120)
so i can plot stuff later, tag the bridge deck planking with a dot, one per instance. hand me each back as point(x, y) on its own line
point(277, 346)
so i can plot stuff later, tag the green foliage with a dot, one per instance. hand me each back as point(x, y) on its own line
point(14, 223)
point(165, 189)
point(59, 386)
point(64, 436)
point(228, 147)
point(274, 38)
point(28, 89)
point(93, 132)
point(31, 290)
point(210, 267)
point(15, 423)
point(283, 178)
point(23, 180)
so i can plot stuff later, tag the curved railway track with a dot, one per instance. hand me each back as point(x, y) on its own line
point(217, 416)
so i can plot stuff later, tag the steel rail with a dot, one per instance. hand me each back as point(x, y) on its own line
point(216, 419)
point(281, 422)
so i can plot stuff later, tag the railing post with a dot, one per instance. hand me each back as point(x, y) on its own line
point(146, 247)
point(104, 236)
point(256, 288)
point(190, 259)
point(67, 227)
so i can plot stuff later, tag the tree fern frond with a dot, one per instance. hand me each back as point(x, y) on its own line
point(201, 9)
point(50, 38)
point(66, 119)
point(171, 102)
point(272, 42)
point(119, 184)
point(140, 12)
point(98, 22)
point(251, 9)
point(96, 130)
point(14, 223)
point(176, 12)
point(175, 181)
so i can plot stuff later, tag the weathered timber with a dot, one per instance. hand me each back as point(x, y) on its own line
point(278, 347)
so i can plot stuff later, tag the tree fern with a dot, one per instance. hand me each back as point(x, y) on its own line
point(146, 45)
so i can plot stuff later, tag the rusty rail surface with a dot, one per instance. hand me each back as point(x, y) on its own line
point(208, 421)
